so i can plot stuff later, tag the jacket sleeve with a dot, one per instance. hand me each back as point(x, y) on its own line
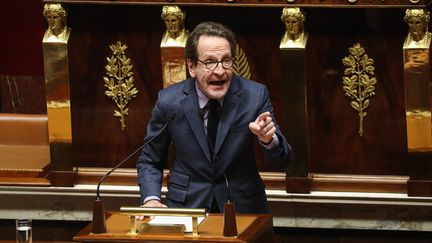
point(154, 155)
point(283, 153)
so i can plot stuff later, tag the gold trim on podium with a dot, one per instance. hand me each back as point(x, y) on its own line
point(184, 212)
point(252, 228)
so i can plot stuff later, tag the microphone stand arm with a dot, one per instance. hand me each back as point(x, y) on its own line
point(127, 158)
point(99, 222)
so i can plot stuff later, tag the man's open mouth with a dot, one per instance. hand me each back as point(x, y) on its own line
point(218, 83)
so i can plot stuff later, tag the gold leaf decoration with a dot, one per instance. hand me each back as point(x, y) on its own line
point(119, 81)
point(359, 81)
point(241, 64)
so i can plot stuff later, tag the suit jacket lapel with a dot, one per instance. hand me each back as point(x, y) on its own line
point(190, 108)
point(229, 111)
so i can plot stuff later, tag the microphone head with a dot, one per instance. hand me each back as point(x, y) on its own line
point(227, 186)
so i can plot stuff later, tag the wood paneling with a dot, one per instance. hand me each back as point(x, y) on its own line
point(22, 26)
point(335, 145)
point(94, 28)
point(97, 136)
point(22, 94)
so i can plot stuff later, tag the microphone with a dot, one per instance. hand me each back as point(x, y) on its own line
point(99, 223)
point(230, 225)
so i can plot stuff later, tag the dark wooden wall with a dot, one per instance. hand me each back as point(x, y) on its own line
point(22, 87)
point(335, 146)
point(95, 27)
point(22, 25)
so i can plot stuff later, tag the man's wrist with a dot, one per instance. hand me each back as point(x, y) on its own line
point(149, 198)
point(266, 143)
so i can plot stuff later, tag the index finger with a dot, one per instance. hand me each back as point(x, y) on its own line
point(263, 116)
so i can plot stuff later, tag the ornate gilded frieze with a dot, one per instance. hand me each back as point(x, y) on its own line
point(119, 81)
point(359, 81)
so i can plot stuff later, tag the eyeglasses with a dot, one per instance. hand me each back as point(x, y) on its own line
point(212, 65)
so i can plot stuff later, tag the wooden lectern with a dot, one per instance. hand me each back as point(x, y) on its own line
point(251, 228)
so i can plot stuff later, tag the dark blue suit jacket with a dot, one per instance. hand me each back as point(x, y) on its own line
point(195, 176)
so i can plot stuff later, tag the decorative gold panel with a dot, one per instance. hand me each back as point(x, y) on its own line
point(119, 81)
point(241, 64)
point(359, 82)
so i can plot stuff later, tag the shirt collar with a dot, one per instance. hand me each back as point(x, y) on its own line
point(202, 98)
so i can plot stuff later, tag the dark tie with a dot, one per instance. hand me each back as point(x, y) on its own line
point(212, 121)
point(212, 127)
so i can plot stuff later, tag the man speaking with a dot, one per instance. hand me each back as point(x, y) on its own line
point(214, 118)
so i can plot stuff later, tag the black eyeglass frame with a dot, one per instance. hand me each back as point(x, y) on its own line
point(226, 63)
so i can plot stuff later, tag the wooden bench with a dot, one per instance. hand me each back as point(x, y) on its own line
point(24, 149)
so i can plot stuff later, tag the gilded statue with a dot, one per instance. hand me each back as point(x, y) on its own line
point(175, 34)
point(172, 45)
point(417, 80)
point(418, 34)
point(295, 36)
point(56, 17)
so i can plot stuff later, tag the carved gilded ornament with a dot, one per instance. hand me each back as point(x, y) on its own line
point(241, 64)
point(172, 45)
point(359, 81)
point(418, 36)
point(175, 34)
point(294, 36)
point(119, 81)
point(56, 16)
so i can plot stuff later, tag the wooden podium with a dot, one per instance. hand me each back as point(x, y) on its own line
point(251, 228)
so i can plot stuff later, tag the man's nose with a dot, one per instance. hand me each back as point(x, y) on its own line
point(219, 69)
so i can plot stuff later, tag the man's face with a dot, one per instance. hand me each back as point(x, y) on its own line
point(213, 83)
point(293, 26)
point(416, 28)
point(53, 19)
point(173, 25)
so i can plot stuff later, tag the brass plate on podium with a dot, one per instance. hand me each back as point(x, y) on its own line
point(162, 229)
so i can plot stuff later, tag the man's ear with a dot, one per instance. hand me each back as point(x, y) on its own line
point(191, 67)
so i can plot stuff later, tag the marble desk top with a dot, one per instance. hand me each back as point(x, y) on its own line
point(339, 210)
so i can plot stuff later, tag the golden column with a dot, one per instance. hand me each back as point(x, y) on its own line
point(172, 45)
point(417, 81)
point(293, 70)
point(55, 54)
point(418, 101)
